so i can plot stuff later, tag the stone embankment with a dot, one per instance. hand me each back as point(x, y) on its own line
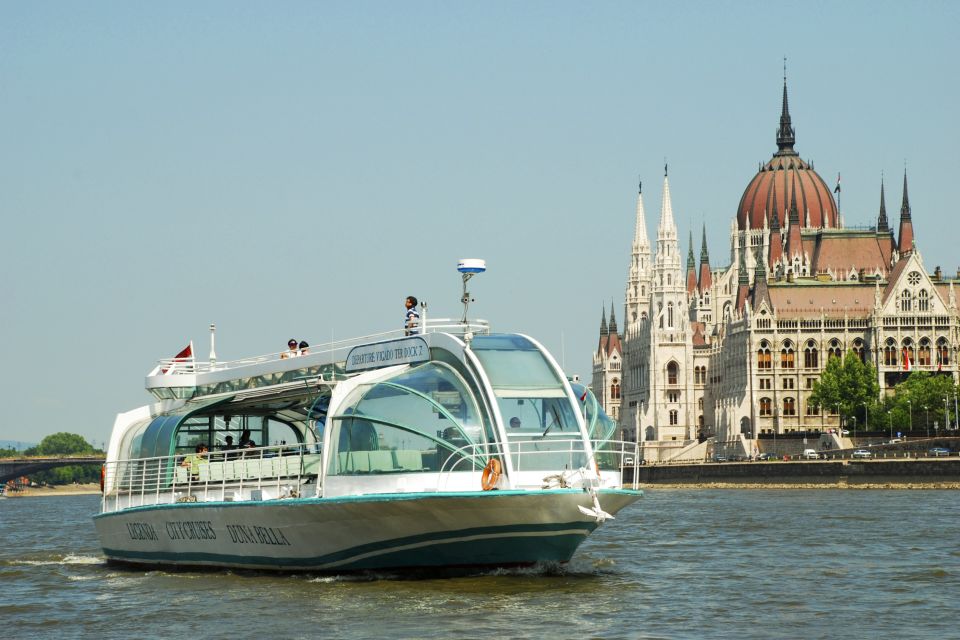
point(821, 474)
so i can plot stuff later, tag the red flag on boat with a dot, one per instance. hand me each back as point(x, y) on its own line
point(185, 355)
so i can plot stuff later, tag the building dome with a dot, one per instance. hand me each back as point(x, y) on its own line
point(786, 175)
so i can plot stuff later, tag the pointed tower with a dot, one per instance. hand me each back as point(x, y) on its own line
point(882, 224)
point(613, 321)
point(743, 282)
point(691, 270)
point(794, 242)
point(637, 297)
point(705, 280)
point(786, 136)
point(760, 291)
point(604, 332)
point(776, 240)
point(906, 223)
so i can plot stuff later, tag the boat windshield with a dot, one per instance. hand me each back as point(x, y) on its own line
point(414, 421)
point(532, 399)
point(600, 427)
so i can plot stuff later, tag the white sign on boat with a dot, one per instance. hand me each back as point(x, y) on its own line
point(385, 354)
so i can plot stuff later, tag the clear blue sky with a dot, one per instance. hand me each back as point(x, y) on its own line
point(296, 169)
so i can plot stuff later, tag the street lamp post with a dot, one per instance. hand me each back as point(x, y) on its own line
point(946, 414)
point(910, 407)
point(866, 417)
point(854, 420)
point(927, 419)
point(890, 419)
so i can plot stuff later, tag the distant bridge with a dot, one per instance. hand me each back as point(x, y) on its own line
point(11, 468)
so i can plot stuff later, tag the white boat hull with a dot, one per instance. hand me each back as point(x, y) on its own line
point(469, 529)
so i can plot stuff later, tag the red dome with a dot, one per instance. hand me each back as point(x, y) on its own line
point(772, 188)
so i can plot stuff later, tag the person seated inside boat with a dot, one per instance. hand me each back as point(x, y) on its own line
point(227, 448)
point(245, 439)
point(514, 422)
point(291, 351)
point(193, 461)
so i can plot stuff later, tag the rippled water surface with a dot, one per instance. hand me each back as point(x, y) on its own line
point(677, 564)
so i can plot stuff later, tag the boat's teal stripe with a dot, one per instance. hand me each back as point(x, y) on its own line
point(487, 545)
point(384, 497)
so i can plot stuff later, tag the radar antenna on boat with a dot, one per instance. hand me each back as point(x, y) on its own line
point(469, 267)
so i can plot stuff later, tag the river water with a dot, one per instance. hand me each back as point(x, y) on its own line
point(677, 564)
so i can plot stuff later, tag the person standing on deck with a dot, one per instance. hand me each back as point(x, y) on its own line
point(411, 323)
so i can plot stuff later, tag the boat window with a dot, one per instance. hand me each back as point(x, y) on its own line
point(513, 362)
point(600, 427)
point(415, 421)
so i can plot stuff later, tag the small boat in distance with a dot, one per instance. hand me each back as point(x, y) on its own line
point(452, 447)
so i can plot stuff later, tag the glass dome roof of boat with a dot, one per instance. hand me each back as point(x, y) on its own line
point(514, 362)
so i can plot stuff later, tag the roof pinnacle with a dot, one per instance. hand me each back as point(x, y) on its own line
point(786, 135)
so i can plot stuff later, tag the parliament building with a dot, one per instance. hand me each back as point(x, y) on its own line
point(733, 352)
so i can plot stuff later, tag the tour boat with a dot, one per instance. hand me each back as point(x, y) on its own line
point(451, 447)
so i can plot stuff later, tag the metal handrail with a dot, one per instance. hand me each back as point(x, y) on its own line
point(175, 366)
point(159, 480)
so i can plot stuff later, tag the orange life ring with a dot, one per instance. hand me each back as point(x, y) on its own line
point(103, 474)
point(491, 474)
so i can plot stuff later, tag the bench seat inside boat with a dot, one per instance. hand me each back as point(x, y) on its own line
point(381, 461)
point(230, 470)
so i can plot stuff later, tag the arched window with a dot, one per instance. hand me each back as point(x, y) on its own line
point(943, 352)
point(648, 433)
point(674, 417)
point(890, 353)
point(813, 409)
point(908, 350)
point(766, 407)
point(700, 404)
point(786, 355)
point(923, 300)
point(905, 300)
point(923, 353)
point(660, 313)
point(615, 389)
point(763, 356)
point(811, 359)
point(670, 315)
point(700, 421)
point(673, 373)
point(859, 350)
point(669, 280)
point(835, 350)
point(789, 407)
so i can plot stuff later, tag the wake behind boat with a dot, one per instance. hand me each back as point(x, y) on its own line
point(453, 447)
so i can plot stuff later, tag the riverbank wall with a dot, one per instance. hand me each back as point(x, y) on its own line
point(829, 473)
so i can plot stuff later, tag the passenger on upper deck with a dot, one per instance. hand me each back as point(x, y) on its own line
point(194, 461)
point(304, 348)
point(244, 439)
point(411, 322)
point(291, 351)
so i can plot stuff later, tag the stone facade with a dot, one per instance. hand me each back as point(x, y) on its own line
point(733, 352)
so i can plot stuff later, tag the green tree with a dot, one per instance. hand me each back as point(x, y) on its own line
point(65, 444)
point(849, 383)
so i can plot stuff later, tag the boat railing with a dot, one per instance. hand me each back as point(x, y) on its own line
point(235, 474)
point(549, 455)
point(174, 366)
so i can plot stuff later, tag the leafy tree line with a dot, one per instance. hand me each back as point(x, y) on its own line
point(61, 444)
point(916, 403)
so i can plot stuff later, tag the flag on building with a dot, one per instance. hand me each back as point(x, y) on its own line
point(907, 365)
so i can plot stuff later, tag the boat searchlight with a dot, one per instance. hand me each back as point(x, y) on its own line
point(469, 267)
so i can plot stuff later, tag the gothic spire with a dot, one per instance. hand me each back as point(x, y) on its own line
point(905, 244)
point(691, 269)
point(882, 224)
point(705, 280)
point(785, 134)
point(666, 209)
point(604, 332)
point(905, 207)
point(640, 234)
point(613, 319)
